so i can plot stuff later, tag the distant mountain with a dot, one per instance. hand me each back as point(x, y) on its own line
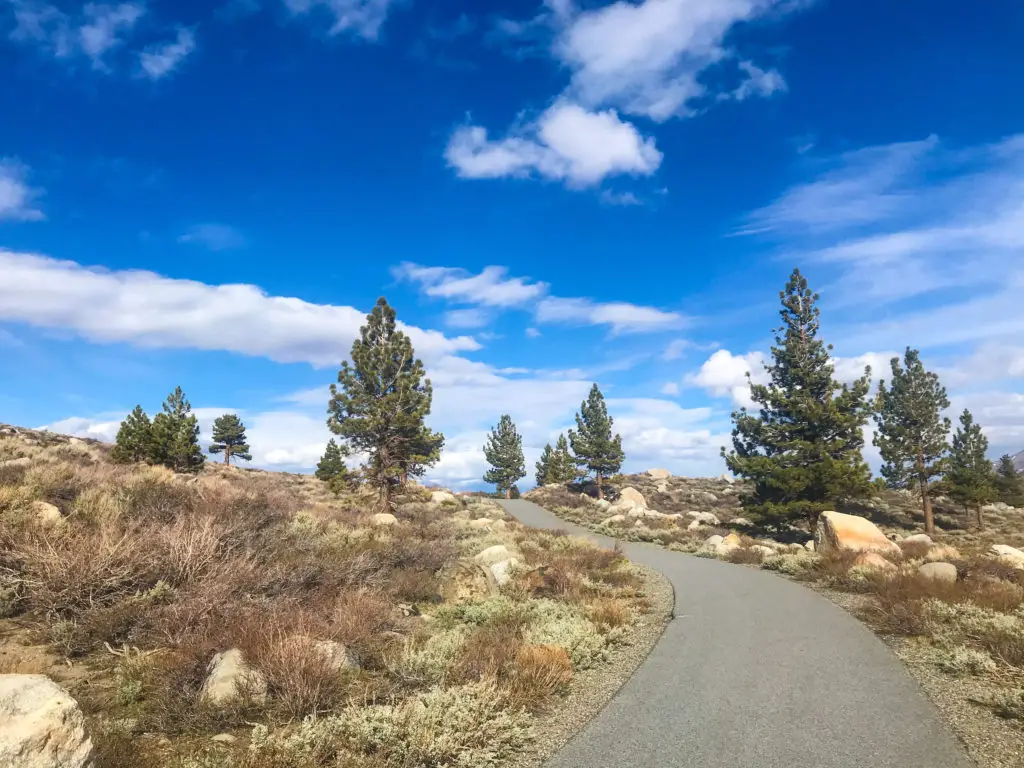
point(1018, 461)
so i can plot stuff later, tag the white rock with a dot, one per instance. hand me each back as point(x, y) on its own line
point(695, 525)
point(47, 513)
point(603, 504)
point(705, 517)
point(809, 545)
point(738, 521)
point(41, 726)
point(765, 551)
point(918, 538)
point(727, 479)
point(706, 496)
point(712, 541)
point(1009, 554)
point(659, 474)
point(492, 555)
point(662, 486)
point(227, 674)
point(334, 654)
point(384, 518)
point(631, 494)
point(224, 738)
point(503, 570)
point(443, 497)
point(614, 520)
point(482, 522)
point(941, 572)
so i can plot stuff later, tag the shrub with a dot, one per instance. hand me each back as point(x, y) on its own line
point(960, 660)
point(794, 564)
point(1006, 704)
point(553, 623)
point(539, 673)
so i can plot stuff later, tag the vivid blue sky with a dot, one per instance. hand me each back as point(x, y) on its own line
point(549, 193)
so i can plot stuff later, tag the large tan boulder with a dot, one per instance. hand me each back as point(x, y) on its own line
point(943, 573)
point(384, 518)
point(443, 497)
point(465, 581)
point(1008, 554)
point(496, 554)
point(849, 533)
point(632, 496)
point(659, 474)
point(228, 676)
point(41, 726)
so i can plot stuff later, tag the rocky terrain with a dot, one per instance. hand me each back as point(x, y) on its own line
point(952, 607)
point(240, 618)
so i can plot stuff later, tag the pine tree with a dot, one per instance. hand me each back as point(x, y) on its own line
point(504, 452)
point(970, 480)
point(175, 433)
point(1009, 482)
point(134, 438)
point(229, 438)
point(563, 465)
point(596, 449)
point(332, 468)
point(911, 429)
point(380, 402)
point(802, 452)
point(544, 465)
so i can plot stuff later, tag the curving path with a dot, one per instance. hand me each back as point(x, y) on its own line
point(756, 672)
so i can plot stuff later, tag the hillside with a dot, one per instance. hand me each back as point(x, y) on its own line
point(198, 620)
point(1018, 461)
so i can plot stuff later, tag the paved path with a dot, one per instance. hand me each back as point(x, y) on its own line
point(756, 672)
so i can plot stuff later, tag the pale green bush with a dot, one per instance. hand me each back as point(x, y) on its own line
point(429, 660)
point(791, 564)
point(562, 624)
point(961, 660)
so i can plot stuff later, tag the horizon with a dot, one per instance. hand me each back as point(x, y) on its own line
point(550, 195)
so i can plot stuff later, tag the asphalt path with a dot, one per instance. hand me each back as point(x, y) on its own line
point(755, 671)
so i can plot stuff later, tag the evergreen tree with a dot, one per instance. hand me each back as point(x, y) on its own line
point(134, 439)
point(229, 438)
point(544, 465)
point(802, 451)
point(596, 449)
point(175, 433)
point(504, 452)
point(332, 468)
point(970, 480)
point(380, 402)
point(1009, 483)
point(911, 429)
point(563, 465)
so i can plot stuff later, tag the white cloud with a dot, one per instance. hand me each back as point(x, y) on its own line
point(105, 26)
point(147, 309)
point(848, 369)
point(467, 318)
point(566, 143)
point(1001, 415)
point(620, 316)
point(17, 198)
point(160, 60)
point(660, 433)
point(532, 333)
point(97, 429)
point(620, 198)
point(490, 288)
point(676, 349)
point(98, 29)
point(759, 82)
point(670, 388)
point(725, 374)
point(361, 17)
point(645, 58)
point(214, 237)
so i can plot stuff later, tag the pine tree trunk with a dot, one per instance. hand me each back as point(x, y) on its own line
point(926, 505)
point(508, 492)
point(600, 490)
point(227, 456)
point(980, 524)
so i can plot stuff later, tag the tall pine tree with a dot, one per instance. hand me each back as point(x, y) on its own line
point(912, 432)
point(970, 480)
point(229, 438)
point(563, 465)
point(175, 433)
point(380, 403)
point(134, 441)
point(802, 451)
point(596, 448)
point(504, 452)
point(543, 465)
point(1009, 482)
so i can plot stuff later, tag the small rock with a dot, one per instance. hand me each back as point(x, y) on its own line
point(384, 518)
point(705, 517)
point(944, 573)
point(873, 561)
point(918, 538)
point(712, 541)
point(732, 540)
point(492, 555)
point(443, 497)
point(226, 674)
point(482, 522)
point(659, 474)
point(224, 738)
point(614, 520)
point(662, 486)
point(47, 513)
point(41, 726)
point(706, 496)
point(695, 525)
point(336, 655)
point(742, 521)
point(503, 571)
point(839, 532)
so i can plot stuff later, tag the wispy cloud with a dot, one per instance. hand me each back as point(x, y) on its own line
point(621, 317)
point(492, 287)
point(608, 197)
point(214, 237)
point(98, 29)
point(17, 198)
point(359, 17)
point(473, 317)
point(161, 60)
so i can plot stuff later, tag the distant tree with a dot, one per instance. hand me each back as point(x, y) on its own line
point(1009, 482)
point(513, 492)
point(543, 465)
point(802, 451)
point(380, 403)
point(912, 432)
point(970, 480)
point(175, 432)
point(504, 452)
point(332, 468)
point(134, 441)
point(229, 438)
point(596, 449)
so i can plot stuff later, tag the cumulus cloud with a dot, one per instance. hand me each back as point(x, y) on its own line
point(725, 374)
point(566, 143)
point(162, 59)
point(17, 198)
point(151, 310)
point(360, 17)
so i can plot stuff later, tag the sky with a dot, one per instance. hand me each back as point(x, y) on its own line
point(551, 194)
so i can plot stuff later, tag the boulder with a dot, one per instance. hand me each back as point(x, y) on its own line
point(482, 522)
point(849, 533)
point(695, 525)
point(335, 655)
point(466, 581)
point(662, 486)
point(614, 520)
point(502, 571)
point(224, 738)
point(944, 573)
point(1008, 554)
point(603, 504)
point(705, 517)
point(46, 513)
point(659, 474)
point(712, 541)
point(918, 538)
point(632, 495)
point(41, 726)
point(763, 550)
point(384, 518)
point(443, 497)
point(741, 521)
point(228, 675)
point(706, 496)
point(809, 545)
point(492, 555)
point(871, 560)
point(726, 479)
